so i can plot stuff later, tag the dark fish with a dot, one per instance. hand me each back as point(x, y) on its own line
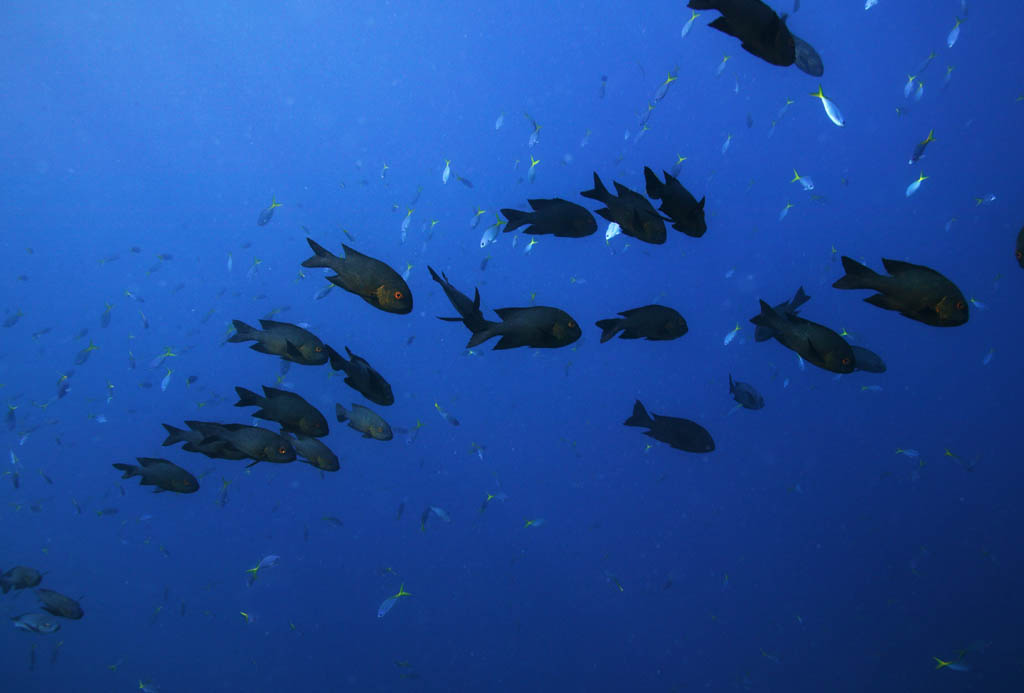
point(19, 577)
point(917, 292)
point(654, 322)
point(807, 59)
point(745, 394)
point(313, 451)
point(556, 217)
point(59, 605)
point(12, 320)
point(370, 279)
point(686, 212)
point(267, 214)
point(36, 623)
point(682, 434)
point(867, 360)
point(195, 441)
point(468, 310)
point(283, 339)
point(763, 333)
point(1020, 247)
point(163, 474)
point(630, 210)
point(762, 32)
point(919, 148)
point(257, 443)
point(541, 327)
point(816, 343)
point(366, 421)
point(361, 376)
point(294, 413)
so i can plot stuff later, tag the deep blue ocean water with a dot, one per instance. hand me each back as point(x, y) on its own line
point(803, 554)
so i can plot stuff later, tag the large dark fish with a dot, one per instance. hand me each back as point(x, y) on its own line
point(745, 394)
point(196, 441)
point(294, 413)
point(686, 212)
point(762, 333)
point(630, 210)
point(915, 291)
point(361, 376)
point(290, 342)
point(19, 577)
point(59, 605)
point(163, 474)
point(366, 421)
point(370, 279)
point(682, 434)
point(257, 443)
point(653, 322)
point(556, 217)
point(867, 360)
point(313, 451)
point(762, 32)
point(1020, 247)
point(807, 59)
point(816, 343)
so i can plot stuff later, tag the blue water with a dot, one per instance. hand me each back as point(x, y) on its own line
point(803, 554)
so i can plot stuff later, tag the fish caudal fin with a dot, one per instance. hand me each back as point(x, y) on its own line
point(482, 331)
point(857, 276)
point(516, 219)
point(609, 328)
point(599, 193)
point(128, 469)
point(174, 435)
point(653, 184)
point(340, 412)
point(321, 258)
point(248, 398)
point(640, 416)
point(243, 332)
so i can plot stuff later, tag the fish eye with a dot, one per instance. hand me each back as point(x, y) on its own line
point(398, 295)
point(846, 362)
point(572, 324)
point(281, 451)
point(318, 349)
point(960, 305)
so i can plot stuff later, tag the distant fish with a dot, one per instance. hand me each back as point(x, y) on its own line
point(267, 214)
point(761, 31)
point(681, 434)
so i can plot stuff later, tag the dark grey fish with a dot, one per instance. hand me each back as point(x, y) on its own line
point(762, 333)
point(257, 443)
point(867, 360)
point(1020, 247)
point(163, 474)
point(19, 577)
point(681, 434)
point(915, 291)
point(556, 217)
point(745, 394)
point(372, 280)
point(677, 202)
point(366, 421)
point(196, 441)
point(290, 342)
point(762, 32)
point(313, 451)
point(807, 59)
point(653, 322)
point(817, 344)
point(630, 210)
point(361, 376)
point(59, 605)
point(292, 411)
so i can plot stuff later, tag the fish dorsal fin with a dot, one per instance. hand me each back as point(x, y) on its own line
point(541, 203)
point(274, 392)
point(621, 189)
point(700, 205)
point(271, 324)
point(351, 253)
point(897, 267)
point(476, 298)
point(504, 313)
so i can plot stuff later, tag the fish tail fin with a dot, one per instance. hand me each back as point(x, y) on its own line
point(516, 219)
point(609, 328)
point(640, 416)
point(174, 435)
point(248, 398)
point(243, 332)
point(128, 469)
point(340, 412)
point(857, 276)
point(599, 193)
point(653, 184)
point(321, 256)
point(482, 331)
point(799, 298)
point(768, 317)
point(338, 361)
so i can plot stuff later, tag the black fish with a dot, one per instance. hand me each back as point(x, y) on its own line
point(19, 577)
point(257, 443)
point(762, 32)
point(468, 310)
point(370, 279)
point(283, 339)
point(630, 210)
point(807, 59)
point(541, 327)
point(163, 474)
point(682, 434)
point(686, 212)
point(919, 148)
point(867, 360)
point(1020, 247)
point(365, 420)
point(59, 605)
point(763, 333)
point(915, 291)
point(745, 394)
point(816, 343)
point(556, 217)
point(313, 451)
point(653, 322)
point(196, 441)
point(294, 413)
point(361, 376)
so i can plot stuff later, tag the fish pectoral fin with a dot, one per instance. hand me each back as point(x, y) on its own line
point(723, 25)
point(883, 301)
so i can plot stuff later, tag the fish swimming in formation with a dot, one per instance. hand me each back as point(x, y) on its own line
point(294, 413)
point(556, 217)
point(807, 59)
point(867, 360)
point(745, 394)
point(653, 322)
point(815, 343)
point(19, 577)
point(366, 421)
point(196, 441)
point(313, 451)
point(1020, 247)
point(361, 376)
point(630, 210)
point(290, 342)
point(763, 333)
point(257, 443)
point(541, 327)
point(366, 277)
point(59, 605)
point(915, 291)
point(686, 212)
point(163, 474)
point(681, 434)
point(761, 32)
point(36, 623)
